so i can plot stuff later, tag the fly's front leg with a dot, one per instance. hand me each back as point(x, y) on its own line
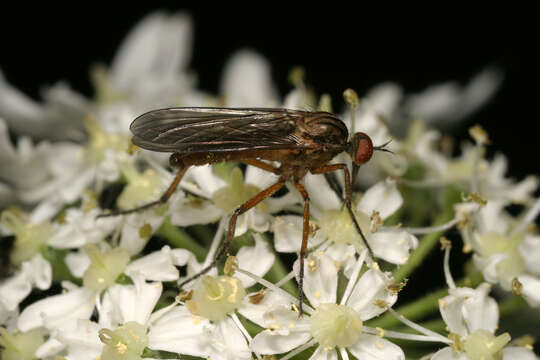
point(269, 191)
point(348, 196)
point(305, 233)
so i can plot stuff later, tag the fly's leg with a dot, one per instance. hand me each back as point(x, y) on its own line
point(261, 165)
point(232, 226)
point(302, 255)
point(348, 196)
point(175, 161)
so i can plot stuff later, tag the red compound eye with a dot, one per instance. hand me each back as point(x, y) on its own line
point(362, 148)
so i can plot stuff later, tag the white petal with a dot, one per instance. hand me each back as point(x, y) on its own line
point(447, 103)
point(489, 268)
point(324, 354)
point(82, 228)
point(371, 347)
point(288, 234)
point(204, 177)
point(518, 353)
point(227, 342)
point(529, 250)
point(448, 354)
point(14, 289)
point(271, 342)
point(49, 348)
point(384, 98)
point(156, 266)
point(343, 255)
point(321, 196)
point(466, 310)
point(256, 259)
point(81, 339)
point(257, 220)
point(179, 331)
point(531, 289)
point(320, 279)
point(186, 212)
point(383, 197)
point(40, 271)
point(370, 287)
point(130, 238)
point(56, 310)
point(123, 303)
point(259, 177)
point(77, 262)
point(247, 81)
point(157, 47)
point(393, 245)
point(256, 312)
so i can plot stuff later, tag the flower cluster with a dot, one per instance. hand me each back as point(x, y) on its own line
point(82, 286)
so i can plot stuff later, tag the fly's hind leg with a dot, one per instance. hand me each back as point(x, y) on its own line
point(305, 233)
point(175, 161)
point(269, 191)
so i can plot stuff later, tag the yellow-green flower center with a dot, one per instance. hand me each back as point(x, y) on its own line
point(141, 188)
point(483, 345)
point(335, 325)
point(20, 345)
point(104, 267)
point(229, 197)
point(30, 239)
point(215, 298)
point(491, 243)
point(338, 226)
point(127, 342)
point(99, 141)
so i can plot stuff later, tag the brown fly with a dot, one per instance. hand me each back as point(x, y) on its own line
point(301, 141)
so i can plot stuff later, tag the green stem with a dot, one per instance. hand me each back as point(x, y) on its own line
point(425, 245)
point(511, 305)
point(422, 307)
point(178, 238)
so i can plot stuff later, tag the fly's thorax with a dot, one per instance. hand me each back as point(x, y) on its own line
point(324, 128)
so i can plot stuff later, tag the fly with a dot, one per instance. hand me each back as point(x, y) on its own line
point(301, 141)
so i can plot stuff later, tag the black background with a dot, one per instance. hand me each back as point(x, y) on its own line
point(339, 47)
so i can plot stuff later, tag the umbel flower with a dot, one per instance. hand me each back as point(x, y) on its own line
point(79, 286)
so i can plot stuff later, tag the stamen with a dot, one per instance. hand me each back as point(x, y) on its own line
point(354, 277)
point(429, 229)
point(298, 350)
point(307, 309)
point(418, 328)
point(446, 266)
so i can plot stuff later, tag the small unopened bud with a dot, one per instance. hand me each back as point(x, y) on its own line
point(351, 98)
point(479, 135)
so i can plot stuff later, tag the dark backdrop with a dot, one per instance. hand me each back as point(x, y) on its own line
point(339, 47)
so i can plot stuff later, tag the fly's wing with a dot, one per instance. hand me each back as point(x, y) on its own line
point(184, 130)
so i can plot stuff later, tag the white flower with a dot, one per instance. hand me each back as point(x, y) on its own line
point(472, 317)
point(58, 118)
point(150, 65)
point(378, 203)
point(35, 272)
point(334, 326)
point(206, 326)
point(504, 251)
point(247, 81)
point(225, 198)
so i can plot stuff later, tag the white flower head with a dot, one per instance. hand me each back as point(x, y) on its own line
point(332, 325)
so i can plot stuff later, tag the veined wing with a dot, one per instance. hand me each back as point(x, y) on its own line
point(204, 129)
